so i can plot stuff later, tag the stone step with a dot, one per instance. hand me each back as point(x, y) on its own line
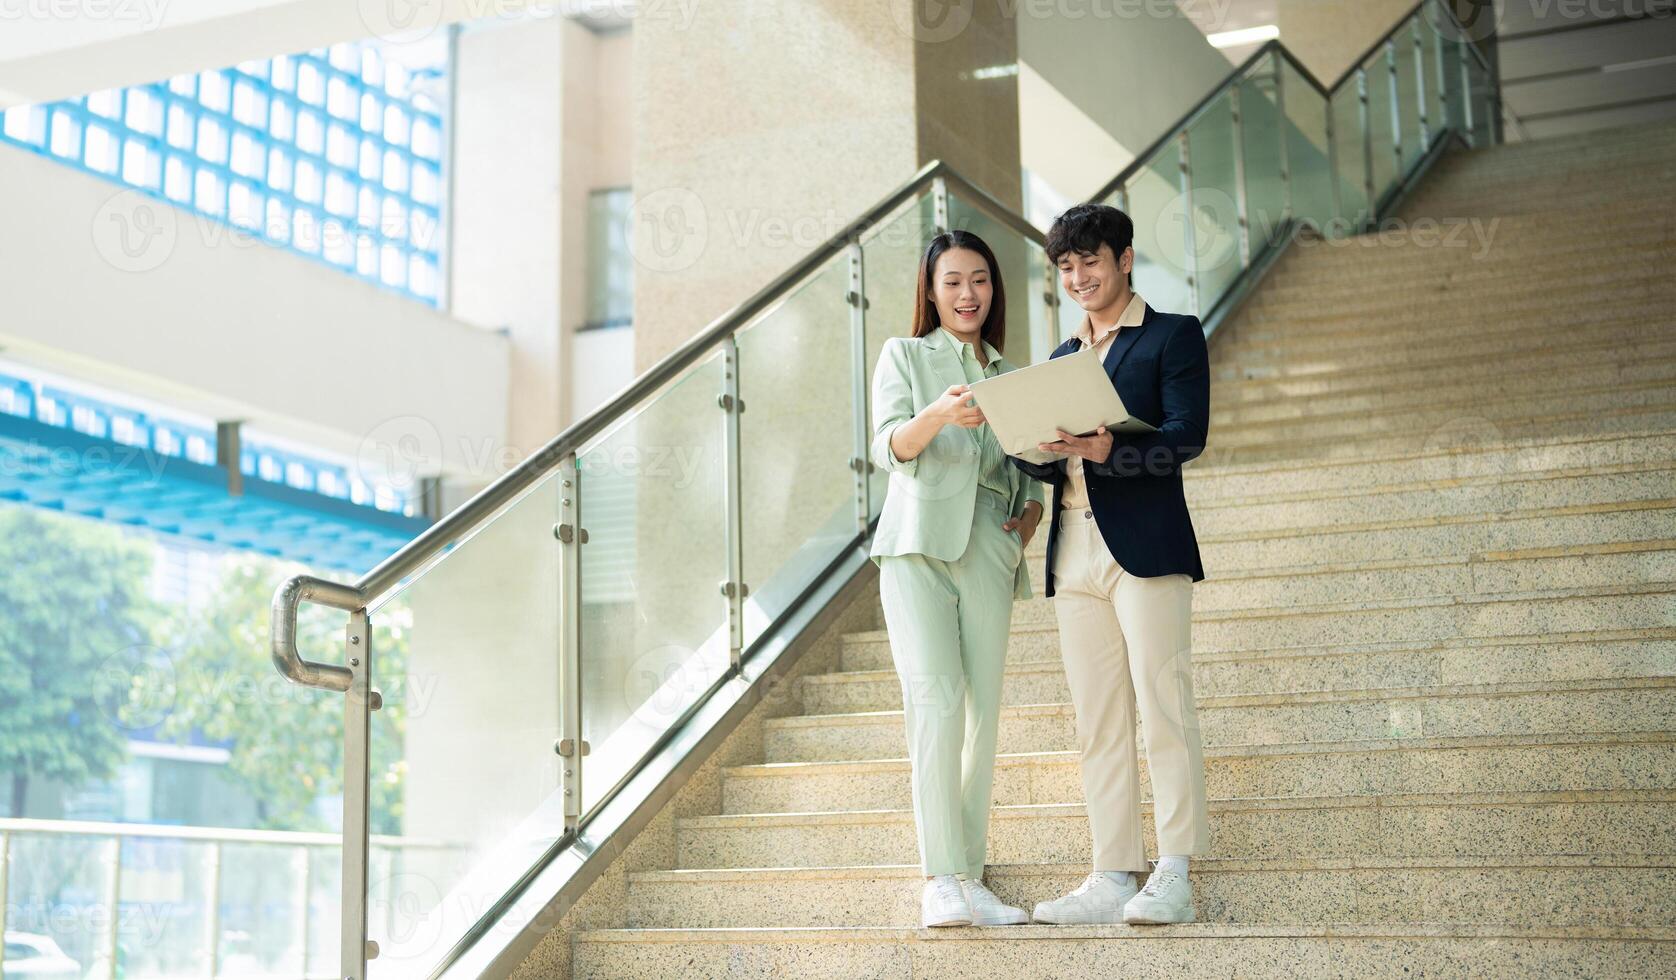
point(1284, 479)
point(1543, 200)
point(1628, 399)
point(1496, 573)
point(1546, 707)
point(1436, 246)
point(1372, 405)
point(1493, 500)
point(1258, 383)
point(1417, 618)
point(1475, 764)
point(1498, 281)
point(1466, 430)
point(1252, 952)
point(1550, 188)
point(1599, 143)
point(1630, 890)
point(1243, 338)
point(1466, 824)
point(1035, 674)
point(1443, 364)
point(1435, 314)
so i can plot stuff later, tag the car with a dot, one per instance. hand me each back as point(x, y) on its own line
point(32, 956)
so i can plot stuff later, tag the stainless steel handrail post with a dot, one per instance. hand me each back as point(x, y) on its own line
point(1286, 207)
point(1189, 241)
point(571, 747)
point(358, 705)
point(1396, 107)
point(1365, 119)
point(860, 465)
point(734, 589)
point(1420, 88)
point(1241, 204)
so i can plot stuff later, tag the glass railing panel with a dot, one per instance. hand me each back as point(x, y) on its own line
point(1047, 307)
point(1350, 154)
point(177, 875)
point(1431, 70)
point(325, 896)
point(1159, 209)
point(465, 656)
point(797, 437)
point(1454, 81)
point(654, 620)
point(1407, 81)
point(890, 255)
point(260, 915)
point(1382, 136)
point(62, 887)
point(1482, 131)
point(1214, 207)
point(1028, 338)
point(1260, 137)
point(1306, 149)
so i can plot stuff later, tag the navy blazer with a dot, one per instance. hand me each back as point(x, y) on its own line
point(1161, 370)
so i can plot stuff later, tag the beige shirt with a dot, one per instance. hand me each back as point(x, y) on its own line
point(1075, 496)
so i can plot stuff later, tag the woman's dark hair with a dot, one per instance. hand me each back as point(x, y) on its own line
point(994, 330)
point(1084, 228)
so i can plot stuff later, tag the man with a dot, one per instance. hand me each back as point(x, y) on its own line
point(1121, 563)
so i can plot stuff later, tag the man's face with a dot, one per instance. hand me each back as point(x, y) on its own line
point(1096, 280)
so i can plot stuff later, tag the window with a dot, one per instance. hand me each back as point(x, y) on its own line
point(610, 266)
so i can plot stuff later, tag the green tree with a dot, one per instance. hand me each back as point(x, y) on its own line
point(75, 647)
point(287, 740)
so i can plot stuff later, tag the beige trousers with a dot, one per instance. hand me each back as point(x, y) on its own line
point(1126, 643)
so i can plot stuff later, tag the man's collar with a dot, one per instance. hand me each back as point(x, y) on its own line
point(1132, 316)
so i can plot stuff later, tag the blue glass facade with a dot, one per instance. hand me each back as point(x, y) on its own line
point(333, 153)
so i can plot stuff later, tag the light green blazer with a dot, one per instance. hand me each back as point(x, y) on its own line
point(928, 508)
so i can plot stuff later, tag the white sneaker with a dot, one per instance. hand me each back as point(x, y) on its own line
point(1167, 898)
point(1098, 900)
point(987, 910)
point(943, 903)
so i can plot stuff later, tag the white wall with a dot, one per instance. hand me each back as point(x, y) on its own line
point(223, 326)
point(1129, 69)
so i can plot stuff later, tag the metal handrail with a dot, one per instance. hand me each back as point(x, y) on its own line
point(489, 501)
point(1234, 77)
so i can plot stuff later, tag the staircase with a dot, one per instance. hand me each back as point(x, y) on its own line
point(1435, 653)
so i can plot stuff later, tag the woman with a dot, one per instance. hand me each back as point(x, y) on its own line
point(950, 548)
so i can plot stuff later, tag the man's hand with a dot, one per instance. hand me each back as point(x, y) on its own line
point(1025, 523)
point(1096, 448)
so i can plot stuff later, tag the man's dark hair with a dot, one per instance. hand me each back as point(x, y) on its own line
point(1085, 228)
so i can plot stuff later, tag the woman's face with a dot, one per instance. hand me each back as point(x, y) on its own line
point(961, 290)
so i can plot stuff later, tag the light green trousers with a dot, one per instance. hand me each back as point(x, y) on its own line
point(948, 623)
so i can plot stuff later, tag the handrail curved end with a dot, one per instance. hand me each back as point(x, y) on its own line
point(290, 595)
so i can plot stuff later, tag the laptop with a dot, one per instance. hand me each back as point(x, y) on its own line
point(1072, 393)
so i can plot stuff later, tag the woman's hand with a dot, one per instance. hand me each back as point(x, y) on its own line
point(952, 408)
point(1025, 523)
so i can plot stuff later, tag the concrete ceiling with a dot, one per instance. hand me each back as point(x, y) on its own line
point(1569, 66)
point(55, 49)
